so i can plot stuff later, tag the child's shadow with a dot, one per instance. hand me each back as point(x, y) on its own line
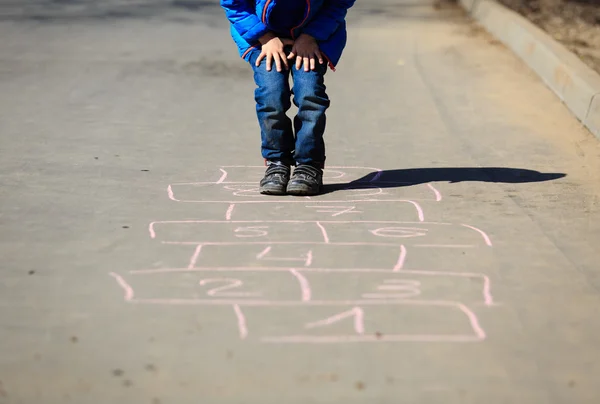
point(414, 176)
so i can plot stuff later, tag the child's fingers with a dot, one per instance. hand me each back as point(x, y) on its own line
point(306, 64)
point(260, 58)
point(291, 55)
point(284, 60)
point(318, 54)
point(269, 62)
point(298, 63)
point(312, 63)
point(276, 57)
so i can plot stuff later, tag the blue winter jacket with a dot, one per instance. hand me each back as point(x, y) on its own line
point(322, 19)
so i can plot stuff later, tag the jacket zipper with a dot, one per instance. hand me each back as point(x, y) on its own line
point(331, 66)
point(264, 20)
point(303, 21)
point(264, 16)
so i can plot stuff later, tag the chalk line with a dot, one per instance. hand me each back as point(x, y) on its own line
point(324, 232)
point(309, 258)
point(307, 339)
point(123, 284)
point(485, 236)
point(223, 177)
point(304, 285)
point(356, 312)
point(401, 259)
point(194, 258)
point(474, 321)
point(241, 320)
point(171, 195)
point(438, 195)
point(229, 211)
point(263, 253)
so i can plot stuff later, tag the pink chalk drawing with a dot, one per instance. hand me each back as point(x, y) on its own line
point(171, 194)
point(245, 190)
point(401, 259)
point(241, 320)
point(125, 286)
point(303, 232)
point(399, 232)
point(419, 210)
point(377, 176)
point(483, 234)
point(365, 190)
point(382, 328)
point(404, 289)
point(247, 187)
point(304, 285)
point(336, 210)
point(403, 285)
point(229, 211)
point(307, 260)
point(329, 175)
point(383, 305)
point(251, 231)
point(264, 252)
point(195, 256)
point(223, 177)
point(324, 232)
point(228, 284)
point(356, 313)
point(438, 195)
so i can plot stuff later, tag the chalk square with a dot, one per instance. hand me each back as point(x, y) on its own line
point(355, 323)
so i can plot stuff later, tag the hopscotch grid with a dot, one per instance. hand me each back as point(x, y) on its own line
point(365, 186)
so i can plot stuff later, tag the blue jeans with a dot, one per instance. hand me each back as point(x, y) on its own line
point(273, 94)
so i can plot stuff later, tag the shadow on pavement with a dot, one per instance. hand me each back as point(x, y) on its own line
point(414, 176)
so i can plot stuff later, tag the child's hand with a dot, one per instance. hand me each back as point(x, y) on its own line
point(306, 50)
point(273, 49)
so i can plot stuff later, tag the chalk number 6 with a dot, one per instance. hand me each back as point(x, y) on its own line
point(254, 231)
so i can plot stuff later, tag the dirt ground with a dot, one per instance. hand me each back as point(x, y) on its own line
point(574, 23)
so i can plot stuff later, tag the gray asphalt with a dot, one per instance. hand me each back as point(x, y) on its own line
point(453, 258)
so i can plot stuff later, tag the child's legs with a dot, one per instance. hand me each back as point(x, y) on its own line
point(272, 97)
point(312, 102)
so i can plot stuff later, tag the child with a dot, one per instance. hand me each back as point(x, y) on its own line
point(298, 36)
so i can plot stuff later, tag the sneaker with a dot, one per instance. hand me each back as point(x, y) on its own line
point(276, 178)
point(307, 180)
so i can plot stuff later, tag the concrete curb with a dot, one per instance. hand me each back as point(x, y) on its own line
point(577, 85)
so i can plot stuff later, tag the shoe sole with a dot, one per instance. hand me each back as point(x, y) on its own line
point(301, 191)
point(272, 191)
